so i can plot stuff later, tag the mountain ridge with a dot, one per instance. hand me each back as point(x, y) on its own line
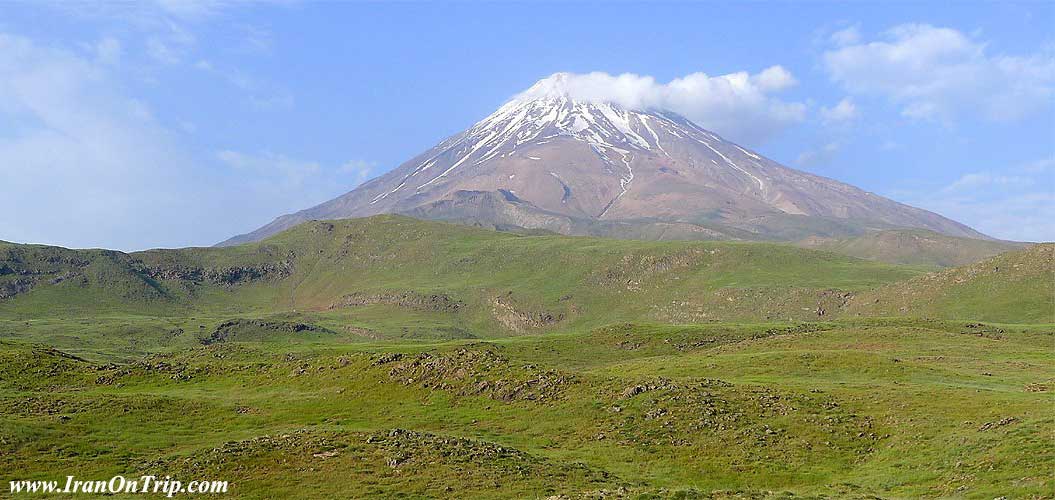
point(502, 283)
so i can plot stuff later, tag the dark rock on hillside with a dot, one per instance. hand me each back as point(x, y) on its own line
point(410, 300)
point(232, 329)
point(10, 288)
point(478, 372)
point(222, 276)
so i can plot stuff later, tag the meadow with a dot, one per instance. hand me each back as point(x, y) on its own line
point(390, 357)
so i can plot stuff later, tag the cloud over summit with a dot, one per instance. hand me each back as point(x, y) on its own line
point(741, 105)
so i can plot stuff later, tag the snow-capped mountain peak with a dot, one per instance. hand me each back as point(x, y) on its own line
point(557, 150)
point(553, 86)
point(545, 114)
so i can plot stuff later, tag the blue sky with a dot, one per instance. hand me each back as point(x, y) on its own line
point(175, 123)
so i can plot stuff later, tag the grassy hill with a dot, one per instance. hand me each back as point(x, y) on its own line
point(1011, 287)
point(395, 277)
point(502, 282)
point(913, 246)
point(88, 279)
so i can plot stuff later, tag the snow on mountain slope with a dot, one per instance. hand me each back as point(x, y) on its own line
point(595, 160)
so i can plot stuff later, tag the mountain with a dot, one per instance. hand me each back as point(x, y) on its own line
point(553, 160)
point(913, 246)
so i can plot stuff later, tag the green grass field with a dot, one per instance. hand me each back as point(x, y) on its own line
point(390, 357)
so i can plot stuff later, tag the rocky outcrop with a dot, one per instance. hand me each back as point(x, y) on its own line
point(13, 287)
point(633, 269)
point(221, 275)
point(725, 304)
point(476, 372)
point(506, 312)
point(435, 302)
point(229, 330)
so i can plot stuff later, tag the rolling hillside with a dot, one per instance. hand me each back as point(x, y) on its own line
point(913, 246)
point(1012, 287)
point(503, 282)
point(396, 277)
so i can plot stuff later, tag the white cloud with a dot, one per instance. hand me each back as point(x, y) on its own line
point(846, 36)
point(360, 170)
point(261, 94)
point(890, 145)
point(295, 171)
point(88, 163)
point(164, 29)
point(197, 9)
point(738, 105)
point(254, 39)
point(291, 182)
point(84, 164)
point(149, 12)
point(1046, 165)
point(108, 50)
point(161, 51)
point(192, 8)
point(823, 155)
point(837, 120)
point(170, 44)
point(1017, 203)
point(773, 79)
point(844, 111)
point(976, 180)
point(273, 102)
point(939, 73)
